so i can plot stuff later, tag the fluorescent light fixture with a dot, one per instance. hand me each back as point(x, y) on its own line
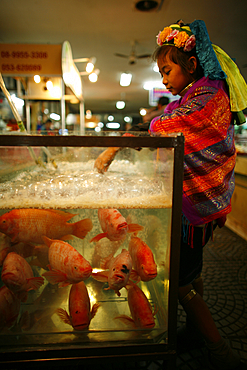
point(125, 79)
point(55, 116)
point(113, 125)
point(149, 85)
point(37, 79)
point(120, 104)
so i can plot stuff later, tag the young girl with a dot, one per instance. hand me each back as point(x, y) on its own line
point(189, 68)
point(205, 113)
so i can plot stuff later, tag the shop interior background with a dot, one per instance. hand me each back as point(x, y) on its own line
point(102, 30)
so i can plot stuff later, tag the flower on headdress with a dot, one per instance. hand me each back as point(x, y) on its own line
point(190, 43)
point(161, 38)
point(180, 36)
point(180, 39)
point(172, 35)
point(159, 42)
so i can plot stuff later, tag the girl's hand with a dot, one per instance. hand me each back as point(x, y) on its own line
point(105, 158)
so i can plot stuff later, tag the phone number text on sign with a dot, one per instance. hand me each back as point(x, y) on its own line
point(24, 54)
point(20, 67)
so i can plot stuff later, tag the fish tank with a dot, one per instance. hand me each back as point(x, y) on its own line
point(89, 258)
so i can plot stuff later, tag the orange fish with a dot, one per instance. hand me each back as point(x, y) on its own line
point(143, 259)
point(29, 225)
point(140, 309)
point(80, 313)
point(17, 275)
point(67, 266)
point(114, 225)
point(23, 249)
point(119, 271)
point(9, 308)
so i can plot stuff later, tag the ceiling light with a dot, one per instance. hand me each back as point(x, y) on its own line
point(91, 64)
point(93, 77)
point(110, 118)
point(127, 119)
point(120, 104)
point(146, 5)
point(37, 79)
point(143, 112)
point(125, 79)
point(89, 67)
point(49, 85)
point(113, 125)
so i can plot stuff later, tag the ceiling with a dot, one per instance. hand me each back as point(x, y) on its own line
point(102, 28)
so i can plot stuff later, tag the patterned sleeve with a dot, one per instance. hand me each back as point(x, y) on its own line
point(203, 118)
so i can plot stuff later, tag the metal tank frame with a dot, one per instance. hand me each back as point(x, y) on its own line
point(66, 355)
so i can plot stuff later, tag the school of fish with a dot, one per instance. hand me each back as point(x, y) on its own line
point(31, 238)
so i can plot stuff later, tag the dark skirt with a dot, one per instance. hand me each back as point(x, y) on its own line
point(193, 239)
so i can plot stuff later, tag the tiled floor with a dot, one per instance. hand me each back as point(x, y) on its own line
point(225, 284)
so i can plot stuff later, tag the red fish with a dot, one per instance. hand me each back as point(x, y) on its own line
point(9, 308)
point(119, 271)
point(17, 275)
point(143, 259)
point(25, 250)
point(114, 225)
point(29, 225)
point(67, 266)
point(140, 309)
point(80, 313)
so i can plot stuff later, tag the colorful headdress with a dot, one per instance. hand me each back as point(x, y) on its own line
point(216, 64)
point(181, 37)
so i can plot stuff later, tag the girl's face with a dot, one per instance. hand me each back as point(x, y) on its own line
point(173, 76)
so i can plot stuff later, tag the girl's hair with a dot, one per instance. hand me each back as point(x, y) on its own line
point(179, 57)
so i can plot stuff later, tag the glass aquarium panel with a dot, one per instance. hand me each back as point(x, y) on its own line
point(51, 219)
